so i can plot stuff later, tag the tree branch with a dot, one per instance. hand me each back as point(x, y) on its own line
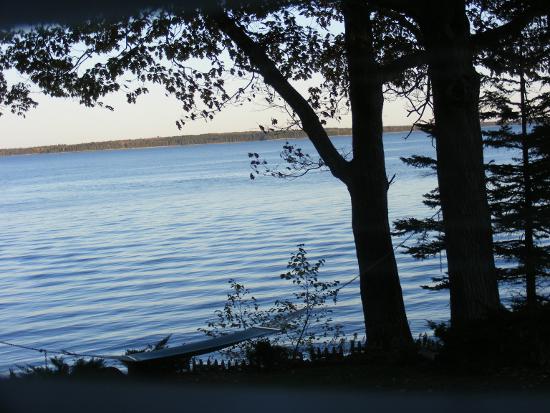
point(338, 166)
point(402, 20)
point(489, 37)
point(391, 70)
point(412, 8)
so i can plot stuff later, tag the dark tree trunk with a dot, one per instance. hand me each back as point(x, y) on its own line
point(468, 236)
point(383, 308)
point(385, 319)
point(530, 273)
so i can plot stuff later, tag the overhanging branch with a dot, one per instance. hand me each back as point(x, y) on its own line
point(489, 37)
point(411, 8)
point(311, 124)
point(391, 70)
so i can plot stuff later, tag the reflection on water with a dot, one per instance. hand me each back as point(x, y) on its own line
point(102, 251)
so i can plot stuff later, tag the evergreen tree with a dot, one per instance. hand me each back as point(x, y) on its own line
point(517, 190)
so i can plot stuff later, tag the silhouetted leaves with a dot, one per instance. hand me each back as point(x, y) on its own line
point(241, 310)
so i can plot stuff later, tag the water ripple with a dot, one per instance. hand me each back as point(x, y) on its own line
point(102, 251)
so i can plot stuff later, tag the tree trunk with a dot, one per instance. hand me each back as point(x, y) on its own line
point(385, 319)
point(383, 308)
point(455, 86)
point(530, 273)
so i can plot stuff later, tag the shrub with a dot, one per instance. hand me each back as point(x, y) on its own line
point(518, 338)
point(241, 310)
point(264, 354)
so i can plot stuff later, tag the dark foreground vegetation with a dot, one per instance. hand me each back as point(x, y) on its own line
point(510, 351)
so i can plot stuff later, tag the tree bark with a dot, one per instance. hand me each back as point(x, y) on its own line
point(468, 236)
point(383, 307)
point(530, 272)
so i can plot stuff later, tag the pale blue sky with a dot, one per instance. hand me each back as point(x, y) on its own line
point(62, 121)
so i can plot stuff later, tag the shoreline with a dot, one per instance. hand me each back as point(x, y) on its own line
point(182, 140)
point(187, 140)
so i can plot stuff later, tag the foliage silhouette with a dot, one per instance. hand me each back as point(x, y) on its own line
point(242, 310)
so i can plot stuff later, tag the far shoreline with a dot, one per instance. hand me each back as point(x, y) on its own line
point(187, 140)
point(182, 140)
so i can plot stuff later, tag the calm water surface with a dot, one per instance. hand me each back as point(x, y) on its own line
point(103, 251)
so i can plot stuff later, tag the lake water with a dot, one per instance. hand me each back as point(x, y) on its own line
point(104, 251)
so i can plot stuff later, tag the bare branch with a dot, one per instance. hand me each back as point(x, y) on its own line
point(296, 163)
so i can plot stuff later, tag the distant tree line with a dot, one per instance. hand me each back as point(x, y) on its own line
point(228, 137)
point(165, 141)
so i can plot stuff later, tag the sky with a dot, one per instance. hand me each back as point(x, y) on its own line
point(65, 121)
